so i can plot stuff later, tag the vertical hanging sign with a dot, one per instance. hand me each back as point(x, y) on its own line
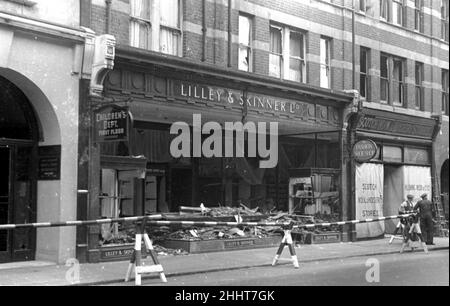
point(111, 124)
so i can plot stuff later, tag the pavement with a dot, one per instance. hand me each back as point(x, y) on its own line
point(49, 274)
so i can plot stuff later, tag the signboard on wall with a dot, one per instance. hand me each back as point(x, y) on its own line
point(111, 124)
point(369, 199)
point(49, 163)
point(364, 150)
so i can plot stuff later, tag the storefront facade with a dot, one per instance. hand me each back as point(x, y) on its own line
point(403, 165)
point(139, 174)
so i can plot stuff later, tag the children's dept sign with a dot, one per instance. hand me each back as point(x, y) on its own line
point(111, 124)
point(369, 199)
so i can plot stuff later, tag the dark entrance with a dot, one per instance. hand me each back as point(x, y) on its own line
point(18, 146)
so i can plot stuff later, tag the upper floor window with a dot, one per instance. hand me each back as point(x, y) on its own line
point(362, 7)
point(276, 52)
point(385, 10)
point(419, 92)
point(392, 11)
point(297, 71)
point(245, 41)
point(445, 90)
point(287, 57)
point(418, 15)
point(156, 25)
point(325, 62)
point(363, 72)
point(140, 24)
point(170, 27)
point(392, 79)
point(444, 20)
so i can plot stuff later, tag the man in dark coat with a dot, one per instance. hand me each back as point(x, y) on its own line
point(426, 213)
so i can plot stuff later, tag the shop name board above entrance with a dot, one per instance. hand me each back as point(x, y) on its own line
point(254, 101)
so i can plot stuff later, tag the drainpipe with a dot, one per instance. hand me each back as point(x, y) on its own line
point(204, 30)
point(229, 33)
point(353, 45)
point(108, 16)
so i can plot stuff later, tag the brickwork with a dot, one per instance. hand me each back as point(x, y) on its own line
point(316, 19)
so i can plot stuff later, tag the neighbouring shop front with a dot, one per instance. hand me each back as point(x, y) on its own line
point(136, 173)
point(402, 166)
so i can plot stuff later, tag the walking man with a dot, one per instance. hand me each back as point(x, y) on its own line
point(426, 213)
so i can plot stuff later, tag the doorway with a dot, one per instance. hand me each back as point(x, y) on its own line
point(19, 135)
point(392, 194)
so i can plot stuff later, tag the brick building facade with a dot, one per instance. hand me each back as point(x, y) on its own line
point(394, 53)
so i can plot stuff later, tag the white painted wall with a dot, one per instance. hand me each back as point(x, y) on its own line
point(43, 71)
point(65, 12)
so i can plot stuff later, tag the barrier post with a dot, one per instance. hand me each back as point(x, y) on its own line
point(287, 241)
point(136, 258)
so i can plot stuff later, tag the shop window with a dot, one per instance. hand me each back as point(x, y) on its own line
point(363, 72)
point(140, 24)
point(444, 20)
point(297, 71)
point(245, 43)
point(325, 62)
point(276, 52)
point(116, 200)
point(445, 90)
point(417, 156)
point(418, 15)
point(419, 91)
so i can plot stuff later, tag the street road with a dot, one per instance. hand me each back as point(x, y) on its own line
point(409, 268)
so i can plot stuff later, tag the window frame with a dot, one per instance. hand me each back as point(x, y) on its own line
point(280, 55)
point(401, 9)
point(418, 15)
point(138, 20)
point(155, 27)
point(388, 8)
point(418, 83)
point(445, 12)
point(178, 30)
point(445, 92)
point(327, 62)
point(365, 74)
point(362, 8)
point(303, 75)
point(248, 47)
point(391, 82)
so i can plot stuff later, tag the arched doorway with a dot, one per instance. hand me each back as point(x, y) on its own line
point(19, 135)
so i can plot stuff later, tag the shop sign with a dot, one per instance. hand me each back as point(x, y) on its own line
point(111, 124)
point(364, 150)
point(49, 163)
point(254, 101)
point(391, 126)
